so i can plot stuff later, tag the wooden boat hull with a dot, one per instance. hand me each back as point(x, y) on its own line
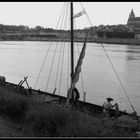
point(124, 119)
point(53, 98)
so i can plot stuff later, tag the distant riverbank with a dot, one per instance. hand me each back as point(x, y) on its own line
point(66, 39)
point(117, 41)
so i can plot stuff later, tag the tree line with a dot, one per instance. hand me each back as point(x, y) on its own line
point(107, 31)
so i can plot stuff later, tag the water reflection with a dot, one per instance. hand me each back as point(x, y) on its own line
point(127, 51)
point(130, 54)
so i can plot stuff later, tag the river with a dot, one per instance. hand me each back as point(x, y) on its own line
point(25, 58)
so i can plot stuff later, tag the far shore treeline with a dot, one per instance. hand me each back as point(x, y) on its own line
point(38, 33)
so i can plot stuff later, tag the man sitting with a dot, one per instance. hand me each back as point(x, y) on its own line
point(107, 106)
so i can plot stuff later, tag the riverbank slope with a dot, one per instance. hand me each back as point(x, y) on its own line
point(27, 118)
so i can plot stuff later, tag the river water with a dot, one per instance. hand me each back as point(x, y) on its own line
point(23, 58)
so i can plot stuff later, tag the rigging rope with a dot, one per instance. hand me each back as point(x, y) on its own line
point(59, 58)
point(81, 71)
point(58, 66)
point(68, 58)
point(86, 14)
point(68, 67)
point(51, 67)
point(65, 26)
point(54, 56)
point(118, 77)
point(48, 48)
point(61, 68)
point(111, 63)
point(68, 64)
point(42, 65)
point(135, 113)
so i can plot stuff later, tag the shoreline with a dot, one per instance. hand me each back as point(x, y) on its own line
point(65, 39)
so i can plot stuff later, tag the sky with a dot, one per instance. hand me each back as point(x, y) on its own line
point(46, 14)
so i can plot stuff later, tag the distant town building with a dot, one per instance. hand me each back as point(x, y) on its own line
point(134, 22)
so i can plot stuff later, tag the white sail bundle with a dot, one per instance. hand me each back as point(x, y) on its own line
point(77, 71)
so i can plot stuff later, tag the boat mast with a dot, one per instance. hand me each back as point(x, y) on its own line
point(72, 49)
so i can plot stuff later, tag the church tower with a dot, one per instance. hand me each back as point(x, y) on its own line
point(131, 20)
point(134, 22)
point(131, 15)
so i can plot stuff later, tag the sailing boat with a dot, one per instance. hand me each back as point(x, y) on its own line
point(132, 119)
point(86, 107)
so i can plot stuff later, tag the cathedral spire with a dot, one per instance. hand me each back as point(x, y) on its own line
point(131, 15)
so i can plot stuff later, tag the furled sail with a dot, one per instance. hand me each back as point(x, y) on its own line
point(77, 71)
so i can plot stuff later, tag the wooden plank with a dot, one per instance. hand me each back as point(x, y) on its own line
point(26, 82)
point(23, 80)
point(52, 100)
point(20, 82)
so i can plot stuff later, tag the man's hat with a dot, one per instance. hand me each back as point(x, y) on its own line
point(109, 99)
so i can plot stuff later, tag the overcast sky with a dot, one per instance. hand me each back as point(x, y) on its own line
point(46, 14)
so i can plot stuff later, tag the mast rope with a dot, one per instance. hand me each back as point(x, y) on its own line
point(65, 26)
point(48, 48)
point(54, 55)
point(51, 67)
point(86, 14)
point(58, 66)
point(42, 65)
point(61, 68)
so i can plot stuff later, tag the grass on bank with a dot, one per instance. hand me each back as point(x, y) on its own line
point(45, 120)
